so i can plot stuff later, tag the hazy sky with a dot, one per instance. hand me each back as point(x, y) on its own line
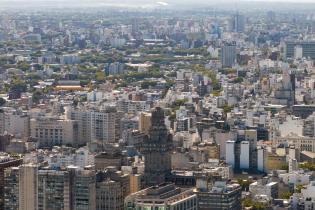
point(150, 3)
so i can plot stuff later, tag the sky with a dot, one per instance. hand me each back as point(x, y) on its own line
point(143, 3)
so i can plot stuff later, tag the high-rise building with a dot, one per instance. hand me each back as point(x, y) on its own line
point(6, 162)
point(309, 126)
point(53, 190)
point(238, 23)
point(218, 196)
point(228, 54)
point(82, 189)
point(157, 148)
point(230, 153)
point(50, 132)
point(28, 186)
point(164, 196)
point(102, 125)
point(111, 189)
point(145, 122)
point(306, 48)
point(11, 189)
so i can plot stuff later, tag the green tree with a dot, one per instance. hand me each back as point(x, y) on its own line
point(100, 76)
point(286, 195)
point(18, 85)
point(37, 96)
point(24, 66)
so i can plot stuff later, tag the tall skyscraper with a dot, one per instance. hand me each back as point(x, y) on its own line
point(228, 54)
point(82, 189)
point(11, 188)
point(6, 162)
point(28, 197)
point(157, 150)
point(53, 188)
point(30, 187)
point(238, 23)
point(111, 189)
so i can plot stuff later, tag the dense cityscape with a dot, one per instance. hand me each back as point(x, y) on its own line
point(141, 105)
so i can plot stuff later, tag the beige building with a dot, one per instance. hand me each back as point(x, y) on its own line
point(302, 143)
point(145, 122)
point(28, 199)
point(51, 131)
point(99, 124)
point(135, 183)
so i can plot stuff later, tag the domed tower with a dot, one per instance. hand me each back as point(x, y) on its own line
point(157, 149)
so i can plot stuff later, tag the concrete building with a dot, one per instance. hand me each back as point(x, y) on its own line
point(237, 23)
point(145, 122)
point(5, 163)
point(28, 187)
point(157, 150)
point(111, 189)
point(83, 188)
point(164, 196)
point(15, 122)
point(228, 55)
point(305, 199)
point(244, 156)
point(301, 143)
point(102, 125)
point(230, 153)
point(309, 126)
point(11, 189)
point(261, 187)
point(106, 159)
point(295, 178)
point(262, 156)
point(219, 196)
point(50, 132)
point(307, 47)
point(53, 190)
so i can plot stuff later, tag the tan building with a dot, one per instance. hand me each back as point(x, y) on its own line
point(302, 143)
point(52, 131)
point(135, 183)
point(145, 122)
point(97, 124)
point(111, 189)
point(106, 159)
point(28, 199)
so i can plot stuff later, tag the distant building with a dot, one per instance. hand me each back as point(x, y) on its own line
point(237, 23)
point(305, 47)
point(228, 55)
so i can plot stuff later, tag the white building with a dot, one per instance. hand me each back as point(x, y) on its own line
point(244, 156)
point(262, 188)
point(296, 178)
point(262, 156)
point(230, 153)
